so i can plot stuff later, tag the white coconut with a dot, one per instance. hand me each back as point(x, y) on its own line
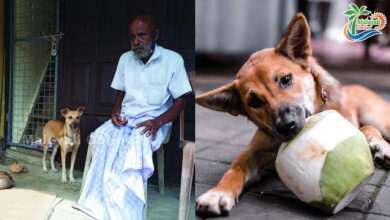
point(327, 163)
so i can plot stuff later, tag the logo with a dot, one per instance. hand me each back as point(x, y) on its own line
point(358, 29)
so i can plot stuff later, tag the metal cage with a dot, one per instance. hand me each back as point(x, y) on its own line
point(33, 70)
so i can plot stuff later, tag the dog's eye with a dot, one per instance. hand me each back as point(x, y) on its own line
point(70, 117)
point(285, 81)
point(78, 117)
point(255, 102)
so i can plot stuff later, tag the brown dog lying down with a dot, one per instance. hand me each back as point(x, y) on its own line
point(277, 88)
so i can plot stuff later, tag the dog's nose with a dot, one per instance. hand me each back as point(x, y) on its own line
point(286, 128)
point(289, 122)
point(75, 125)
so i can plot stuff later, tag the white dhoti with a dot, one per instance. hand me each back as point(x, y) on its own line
point(121, 164)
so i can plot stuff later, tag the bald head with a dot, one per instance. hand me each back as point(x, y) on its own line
point(145, 19)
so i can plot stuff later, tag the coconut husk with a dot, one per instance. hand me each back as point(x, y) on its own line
point(6, 180)
point(15, 168)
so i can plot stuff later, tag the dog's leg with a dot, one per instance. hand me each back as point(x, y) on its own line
point(378, 145)
point(372, 111)
point(73, 159)
point(63, 161)
point(45, 145)
point(53, 154)
point(220, 199)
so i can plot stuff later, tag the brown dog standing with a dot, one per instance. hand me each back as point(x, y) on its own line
point(67, 136)
point(277, 88)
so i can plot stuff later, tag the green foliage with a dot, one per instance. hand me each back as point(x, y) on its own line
point(354, 7)
point(354, 13)
point(350, 12)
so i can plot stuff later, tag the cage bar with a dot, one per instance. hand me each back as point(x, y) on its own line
point(33, 70)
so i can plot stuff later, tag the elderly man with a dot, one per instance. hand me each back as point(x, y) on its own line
point(152, 83)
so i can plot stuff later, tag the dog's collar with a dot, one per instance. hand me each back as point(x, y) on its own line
point(324, 97)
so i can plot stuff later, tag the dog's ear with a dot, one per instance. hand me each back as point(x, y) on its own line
point(296, 41)
point(225, 99)
point(81, 110)
point(64, 111)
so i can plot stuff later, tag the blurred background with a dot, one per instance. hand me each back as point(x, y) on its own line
point(228, 31)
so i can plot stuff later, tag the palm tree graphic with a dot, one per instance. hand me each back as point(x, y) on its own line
point(354, 13)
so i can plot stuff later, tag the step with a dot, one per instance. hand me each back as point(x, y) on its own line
point(24, 155)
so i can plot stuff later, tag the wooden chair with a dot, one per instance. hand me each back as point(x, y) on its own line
point(187, 174)
point(160, 170)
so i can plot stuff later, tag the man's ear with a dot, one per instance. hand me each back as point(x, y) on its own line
point(64, 111)
point(156, 34)
point(225, 99)
point(296, 41)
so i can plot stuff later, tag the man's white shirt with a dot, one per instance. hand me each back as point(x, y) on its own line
point(149, 88)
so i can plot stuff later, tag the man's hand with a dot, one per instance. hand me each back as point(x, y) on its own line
point(117, 120)
point(151, 127)
point(115, 113)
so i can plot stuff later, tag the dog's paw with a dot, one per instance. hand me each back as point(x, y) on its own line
point(54, 170)
point(381, 152)
point(63, 180)
point(214, 203)
point(72, 180)
point(45, 170)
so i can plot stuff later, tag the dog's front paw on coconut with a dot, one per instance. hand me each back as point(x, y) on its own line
point(214, 203)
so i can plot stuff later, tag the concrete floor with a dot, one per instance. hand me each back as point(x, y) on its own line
point(159, 207)
point(50, 182)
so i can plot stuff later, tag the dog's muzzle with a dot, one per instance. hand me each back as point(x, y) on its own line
point(74, 126)
point(289, 121)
